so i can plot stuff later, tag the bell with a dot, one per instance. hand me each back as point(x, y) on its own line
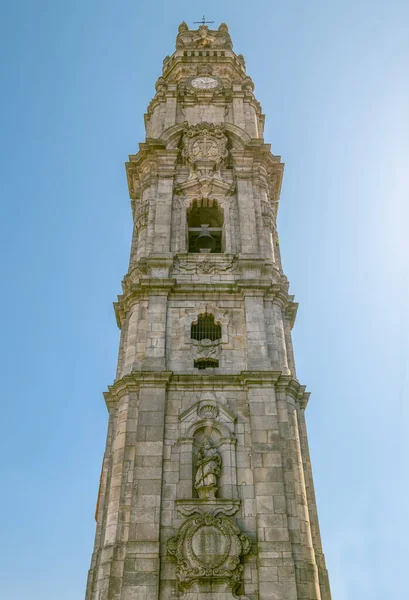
point(205, 241)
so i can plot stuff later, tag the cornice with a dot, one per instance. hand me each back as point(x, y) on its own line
point(278, 294)
point(292, 387)
point(159, 98)
point(233, 83)
point(257, 153)
point(158, 285)
point(257, 378)
point(204, 382)
point(132, 383)
point(253, 287)
point(180, 59)
point(147, 286)
point(254, 150)
point(152, 160)
point(155, 286)
point(187, 97)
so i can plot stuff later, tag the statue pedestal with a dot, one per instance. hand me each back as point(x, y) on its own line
point(213, 506)
point(209, 590)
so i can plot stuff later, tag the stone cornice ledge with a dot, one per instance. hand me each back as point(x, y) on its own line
point(164, 285)
point(293, 388)
point(159, 286)
point(274, 379)
point(255, 378)
point(133, 381)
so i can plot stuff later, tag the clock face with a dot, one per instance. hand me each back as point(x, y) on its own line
point(205, 83)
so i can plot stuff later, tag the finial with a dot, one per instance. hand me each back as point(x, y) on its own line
point(183, 27)
point(241, 59)
point(203, 21)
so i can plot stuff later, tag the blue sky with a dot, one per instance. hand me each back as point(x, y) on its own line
point(332, 78)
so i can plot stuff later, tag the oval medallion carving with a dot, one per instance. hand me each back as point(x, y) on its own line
point(210, 546)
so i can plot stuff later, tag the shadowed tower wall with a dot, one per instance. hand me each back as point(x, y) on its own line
point(206, 488)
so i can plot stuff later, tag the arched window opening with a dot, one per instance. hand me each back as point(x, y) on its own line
point(205, 228)
point(206, 363)
point(206, 329)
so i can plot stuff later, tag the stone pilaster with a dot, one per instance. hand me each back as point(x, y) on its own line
point(156, 322)
point(114, 502)
point(312, 503)
point(247, 217)
point(238, 107)
point(257, 350)
point(275, 562)
point(163, 213)
point(151, 193)
point(289, 344)
point(279, 336)
point(92, 580)
point(132, 330)
point(277, 249)
point(299, 528)
point(142, 564)
point(171, 106)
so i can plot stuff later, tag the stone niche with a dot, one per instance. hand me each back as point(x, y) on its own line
point(209, 544)
point(209, 420)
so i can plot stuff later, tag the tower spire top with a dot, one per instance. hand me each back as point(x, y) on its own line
point(203, 21)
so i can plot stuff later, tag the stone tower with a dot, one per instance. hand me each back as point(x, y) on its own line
point(206, 488)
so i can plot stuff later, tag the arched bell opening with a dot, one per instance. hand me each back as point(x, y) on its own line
point(205, 227)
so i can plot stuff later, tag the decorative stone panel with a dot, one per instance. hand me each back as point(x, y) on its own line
point(209, 547)
point(205, 265)
point(205, 142)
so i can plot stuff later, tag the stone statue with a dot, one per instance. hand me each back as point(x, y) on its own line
point(209, 466)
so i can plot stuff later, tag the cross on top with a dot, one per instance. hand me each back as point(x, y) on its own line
point(203, 21)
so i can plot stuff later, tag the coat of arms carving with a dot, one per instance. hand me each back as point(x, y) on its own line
point(205, 142)
point(209, 547)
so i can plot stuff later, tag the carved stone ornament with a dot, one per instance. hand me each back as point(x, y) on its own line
point(208, 547)
point(267, 209)
point(209, 465)
point(205, 142)
point(206, 69)
point(208, 411)
point(141, 214)
point(206, 348)
point(206, 265)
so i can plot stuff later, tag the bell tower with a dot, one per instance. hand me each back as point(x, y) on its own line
point(206, 488)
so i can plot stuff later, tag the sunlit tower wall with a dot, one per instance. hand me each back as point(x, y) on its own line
point(206, 488)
